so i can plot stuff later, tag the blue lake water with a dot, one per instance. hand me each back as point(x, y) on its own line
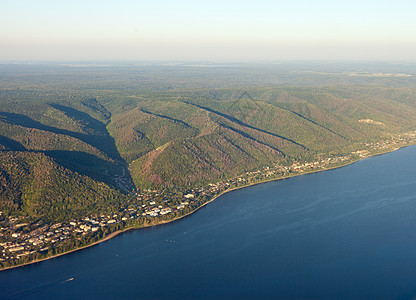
point(348, 233)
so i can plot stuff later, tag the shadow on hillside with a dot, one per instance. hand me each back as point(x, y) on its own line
point(246, 135)
point(10, 145)
point(86, 164)
point(232, 119)
point(98, 108)
point(98, 135)
point(177, 121)
point(86, 121)
point(81, 162)
point(102, 141)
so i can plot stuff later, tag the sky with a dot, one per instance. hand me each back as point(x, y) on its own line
point(186, 30)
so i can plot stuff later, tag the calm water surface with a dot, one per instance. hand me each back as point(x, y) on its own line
point(342, 234)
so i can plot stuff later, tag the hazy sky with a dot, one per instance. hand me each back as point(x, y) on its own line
point(207, 30)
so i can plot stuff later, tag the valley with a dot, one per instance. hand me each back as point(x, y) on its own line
point(87, 152)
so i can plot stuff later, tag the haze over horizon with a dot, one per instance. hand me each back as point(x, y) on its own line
point(214, 31)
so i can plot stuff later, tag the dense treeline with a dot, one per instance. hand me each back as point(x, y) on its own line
point(32, 184)
point(67, 133)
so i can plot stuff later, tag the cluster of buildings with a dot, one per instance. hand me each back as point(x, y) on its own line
point(156, 211)
point(19, 237)
point(400, 139)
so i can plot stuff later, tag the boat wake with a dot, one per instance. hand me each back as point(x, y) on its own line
point(70, 279)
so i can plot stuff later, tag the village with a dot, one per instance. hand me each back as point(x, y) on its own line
point(23, 240)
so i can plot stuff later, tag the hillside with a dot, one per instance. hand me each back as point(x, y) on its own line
point(204, 139)
point(32, 184)
point(168, 127)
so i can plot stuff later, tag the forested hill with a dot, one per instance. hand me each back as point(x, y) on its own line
point(77, 138)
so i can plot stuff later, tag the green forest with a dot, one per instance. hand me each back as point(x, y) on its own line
point(78, 140)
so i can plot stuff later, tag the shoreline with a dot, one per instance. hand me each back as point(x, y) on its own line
point(118, 232)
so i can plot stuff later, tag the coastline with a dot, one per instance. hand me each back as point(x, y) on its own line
point(116, 233)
